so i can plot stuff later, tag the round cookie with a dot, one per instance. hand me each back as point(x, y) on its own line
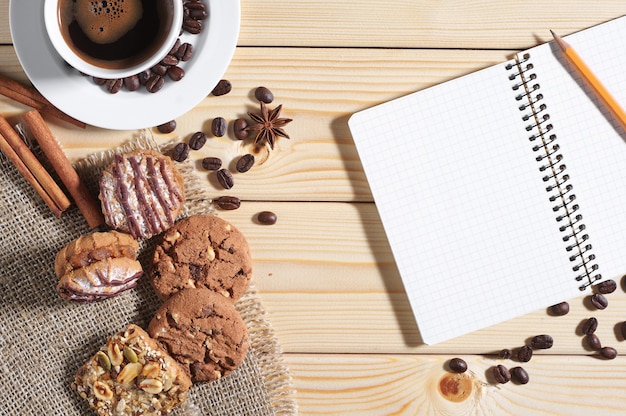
point(202, 251)
point(203, 331)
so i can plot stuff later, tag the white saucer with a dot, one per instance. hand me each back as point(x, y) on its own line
point(80, 98)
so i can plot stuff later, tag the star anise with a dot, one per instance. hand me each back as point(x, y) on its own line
point(268, 125)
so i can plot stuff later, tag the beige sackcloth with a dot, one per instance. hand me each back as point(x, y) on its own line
point(44, 339)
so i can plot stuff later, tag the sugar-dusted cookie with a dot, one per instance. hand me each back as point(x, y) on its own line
point(203, 331)
point(141, 193)
point(132, 375)
point(202, 251)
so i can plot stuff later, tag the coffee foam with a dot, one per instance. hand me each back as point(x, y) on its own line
point(107, 21)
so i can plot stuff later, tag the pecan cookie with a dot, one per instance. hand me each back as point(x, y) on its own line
point(202, 251)
point(141, 193)
point(97, 266)
point(132, 375)
point(203, 331)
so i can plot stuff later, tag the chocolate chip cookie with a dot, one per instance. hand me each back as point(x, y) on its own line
point(130, 375)
point(202, 251)
point(203, 331)
point(141, 193)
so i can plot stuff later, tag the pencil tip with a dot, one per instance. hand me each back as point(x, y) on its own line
point(552, 31)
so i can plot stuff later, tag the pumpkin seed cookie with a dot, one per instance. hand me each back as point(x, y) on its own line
point(132, 375)
point(202, 251)
point(203, 331)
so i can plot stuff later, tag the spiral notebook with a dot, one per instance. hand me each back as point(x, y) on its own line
point(504, 191)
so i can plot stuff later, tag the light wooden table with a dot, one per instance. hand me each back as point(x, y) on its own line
point(325, 271)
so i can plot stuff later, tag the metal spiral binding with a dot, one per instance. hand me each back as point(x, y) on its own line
point(551, 164)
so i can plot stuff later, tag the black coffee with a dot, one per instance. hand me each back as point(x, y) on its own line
point(115, 33)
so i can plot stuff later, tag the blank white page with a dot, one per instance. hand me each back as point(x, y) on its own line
point(463, 204)
point(593, 144)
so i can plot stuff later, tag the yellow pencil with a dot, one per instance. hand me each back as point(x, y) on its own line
point(593, 81)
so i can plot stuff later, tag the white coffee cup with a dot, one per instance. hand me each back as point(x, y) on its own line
point(81, 33)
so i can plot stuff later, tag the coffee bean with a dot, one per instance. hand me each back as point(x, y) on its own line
point(211, 163)
point(239, 127)
point(175, 48)
point(560, 309)
point(608, 352)
point(519, 375)
point(159, 69)
point(225, 178)
point(99, 81)
point(218, 126)
point(180, 152)
point(623, 330)
point(263, 94)
point(541, 342)
point(458, 365)
point(114, 85)
point(168, 127)
point(169, 60)
point(132, 83)
point(501, 374)
point(525, 354)
point(228, 202)
point(599, 301)
point(606, 287)
point(144, 76)
point(155, 83)
point(267, 218)
point(175, 73)
point(245, 163)
point(184, 52)
point(505, 354)
point(593, 342)
point(197, 140)
point(223, 87)
point(198, 14)
point(192, 26)
point(590, 326)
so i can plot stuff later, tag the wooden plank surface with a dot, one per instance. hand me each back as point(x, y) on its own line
point(325, 271)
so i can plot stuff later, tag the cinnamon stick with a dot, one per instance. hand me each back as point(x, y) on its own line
point(14, 158)
point(31, 97)
point(84, 200)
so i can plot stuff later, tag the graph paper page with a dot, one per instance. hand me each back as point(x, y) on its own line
point(463, 204)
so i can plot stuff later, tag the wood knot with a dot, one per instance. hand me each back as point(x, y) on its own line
point(455, 387)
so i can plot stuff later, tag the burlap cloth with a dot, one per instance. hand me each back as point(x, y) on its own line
point(44, 339)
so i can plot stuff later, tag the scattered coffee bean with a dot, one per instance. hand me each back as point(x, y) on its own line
point(608, 352)
point(560, 309)
point(175, 73)
point(132, 83)
point(218, 126)
point(501, 374)
point(505, 354)
point(623, 330)
point(197, 140)
point(599, 301)
point(593, 342)
point(267, 218)
point(99, 81)
point(225, 178)
point(239, 127)
point(541, 342)
point(245, 163)
point(144, 76)
point(114, 85)
point(525, 354)
point(175, 48)
point(519, 375)
point(168, 127)
point(223, 87)
point(263, 94)
point(192, 26)
point(180, 152)
point(590, 326)
point(169, 60)
point(196, 10)
point(211, 163)
point(606, 287)
point(458, 365)
point(228, 202)
point(155, 83)
point(184, 52)
point(159, 69)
